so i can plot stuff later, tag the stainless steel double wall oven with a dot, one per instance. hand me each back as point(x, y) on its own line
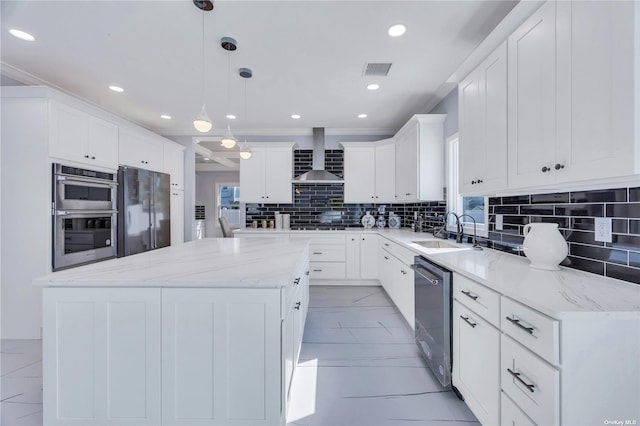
point(84, 216)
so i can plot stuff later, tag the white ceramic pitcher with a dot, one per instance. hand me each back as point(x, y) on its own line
point(544, 245)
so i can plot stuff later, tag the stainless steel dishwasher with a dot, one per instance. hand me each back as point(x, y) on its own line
point(433, 316)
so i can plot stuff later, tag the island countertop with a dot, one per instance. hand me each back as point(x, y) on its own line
point(210, 262)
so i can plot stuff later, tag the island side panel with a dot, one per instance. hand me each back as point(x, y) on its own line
point(101, 356)
point(221, 356)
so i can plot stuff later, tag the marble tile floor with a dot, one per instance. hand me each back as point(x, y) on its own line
point(359, 366)
point(21, 382)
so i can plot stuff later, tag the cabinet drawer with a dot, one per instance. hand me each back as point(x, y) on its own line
point(478, 298)
point(327, 270)
point(512, 415)
point(320, 238)
point(326, 253)
point(403, 254)
point(530, 382)
point(534, 330)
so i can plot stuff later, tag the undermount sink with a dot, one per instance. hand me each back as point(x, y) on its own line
point(434, 244)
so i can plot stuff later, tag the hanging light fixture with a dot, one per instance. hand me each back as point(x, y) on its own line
point(228, 44)
point(245, 151)
point(202, 123)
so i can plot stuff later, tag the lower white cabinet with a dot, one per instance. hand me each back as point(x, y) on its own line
point(101, 356)
point(511, 415)
point(476, 366)
point(397, 279)
point(362, 256)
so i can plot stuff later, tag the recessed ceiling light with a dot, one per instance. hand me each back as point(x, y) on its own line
point(166, 116)
point(396, 30)
point(21, 35)
point(295, 116)
point(373, 86)
point(362, 115)
point(207, 158)
point(231, 116)
point(116, 89)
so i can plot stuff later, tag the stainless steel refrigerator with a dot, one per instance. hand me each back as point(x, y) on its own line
point(143, 211)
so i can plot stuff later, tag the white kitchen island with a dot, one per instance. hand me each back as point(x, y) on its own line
point(203, 333)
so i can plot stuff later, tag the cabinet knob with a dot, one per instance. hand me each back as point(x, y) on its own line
point(86, 156)
point(546, 169)
point(373, 196)
point(93, 158)
point(267, 196)
point(479, 180)
point(473, 182)
point(559, 166)
point(297, 306)
point(403, 272)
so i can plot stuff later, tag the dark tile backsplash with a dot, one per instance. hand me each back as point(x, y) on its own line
point(574, 212)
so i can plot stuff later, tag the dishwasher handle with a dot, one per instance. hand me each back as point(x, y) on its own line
point(420, 270)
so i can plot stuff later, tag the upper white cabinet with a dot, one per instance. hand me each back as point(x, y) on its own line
point(177, 216)
point(369, 172)
point(483, 126)
point(266, 176)
point(140, 150)
point(572, 69)
point(419, 159)
point(174, 164)
point(80, 137)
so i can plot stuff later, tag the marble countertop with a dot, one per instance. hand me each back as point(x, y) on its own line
point(210, 262)
point(558, 294)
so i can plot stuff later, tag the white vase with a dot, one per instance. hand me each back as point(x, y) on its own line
point(544, 245)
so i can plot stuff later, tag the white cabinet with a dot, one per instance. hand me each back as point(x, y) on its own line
point(101, 356)
point(397, 279)
point(266, 176)
point(362, 256)
point(419, 159)
point(571, 67)
point(369, 172)
point(476, 349)
point(483, 126)
point(177, 216)
point(141, 150)
point(80, 137)
point(326, 254)
point(173, 164)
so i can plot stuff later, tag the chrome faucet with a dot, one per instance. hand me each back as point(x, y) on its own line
point(475, 240)
point(442, 232)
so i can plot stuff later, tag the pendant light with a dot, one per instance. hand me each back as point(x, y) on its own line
point(245, 151)
point(202, 123)
point(228, 44)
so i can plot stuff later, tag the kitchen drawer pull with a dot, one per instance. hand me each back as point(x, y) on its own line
point(517, 322)
point(517, 376)
point(298, 308)
point(386, 258)
point(317, 270)
point(468, 293)
point(296, 281)
point(466, 319)
point(403, 272)
point(317, 252)
point(306, 273)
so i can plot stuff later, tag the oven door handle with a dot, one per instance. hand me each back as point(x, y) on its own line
point(84, 212)
point(97, 183)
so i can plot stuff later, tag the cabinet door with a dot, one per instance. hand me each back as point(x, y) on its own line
point(532, 99)
point(278, 174)
point(385, 270)
point(353, 256)
point(476, 363)
point(406, 299)
point(69, 129)
point(369, 257)
point(140, 150)
point(596, 74)
point(177, 217)
point(359, 175)
point(173, 163)
point(385, 173)
point(472, 143)
point(102, 363)
point(407, 164)
point(222, 360)
point(103, 141)
point(252, 172)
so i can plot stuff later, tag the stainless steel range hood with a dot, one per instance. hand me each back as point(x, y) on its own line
point(318, 174)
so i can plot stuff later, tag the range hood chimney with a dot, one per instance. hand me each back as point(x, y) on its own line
point(318, 174)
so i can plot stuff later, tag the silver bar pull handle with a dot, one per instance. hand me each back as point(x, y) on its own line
point(517, 322)
point(518, 378)
point(466, 319)
point(468, 294)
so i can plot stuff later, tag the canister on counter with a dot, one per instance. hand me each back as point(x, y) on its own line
point(254, 224)
point(264, 223)
point(271, 224)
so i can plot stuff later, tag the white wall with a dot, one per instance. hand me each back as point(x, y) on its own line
point(205, 195)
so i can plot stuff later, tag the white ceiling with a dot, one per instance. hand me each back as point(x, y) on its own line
point(307, 57)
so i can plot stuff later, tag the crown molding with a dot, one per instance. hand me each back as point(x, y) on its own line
point(240, 133)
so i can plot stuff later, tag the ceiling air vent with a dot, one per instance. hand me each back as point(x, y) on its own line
point(378, 69)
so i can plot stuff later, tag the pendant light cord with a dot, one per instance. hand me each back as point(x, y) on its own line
point(203, 97)
point(228, 82)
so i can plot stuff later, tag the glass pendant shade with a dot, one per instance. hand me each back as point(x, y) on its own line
point(245, 151)
point(228, 141)
point(202, 123)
